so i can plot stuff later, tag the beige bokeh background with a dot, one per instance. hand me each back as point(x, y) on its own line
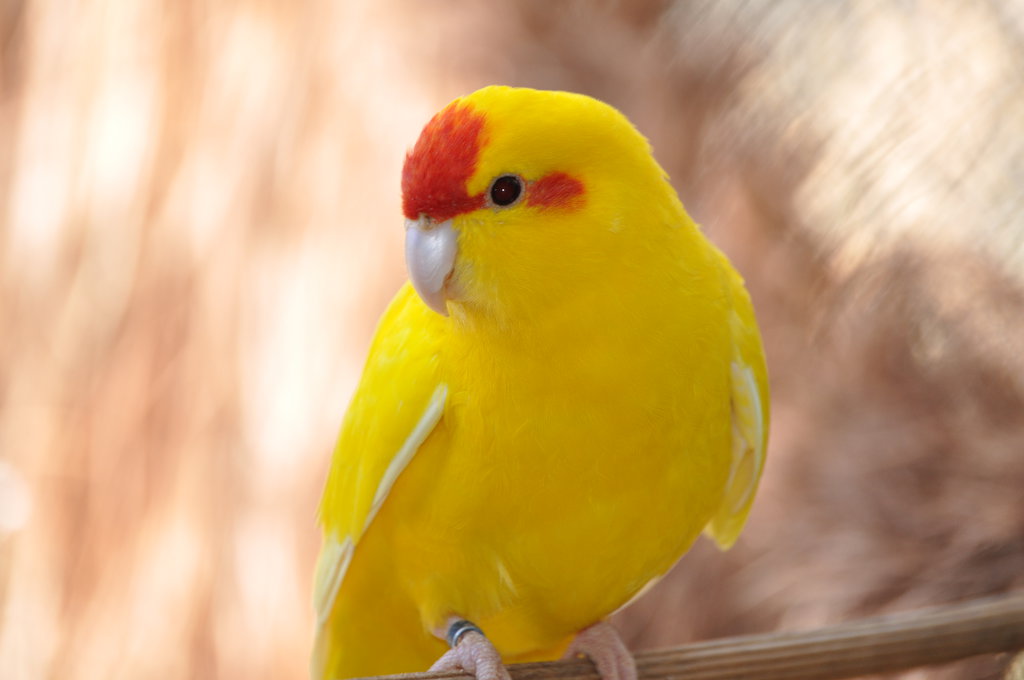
point(200, 224)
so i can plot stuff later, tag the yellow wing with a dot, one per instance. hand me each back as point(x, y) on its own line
point(750, 415)
point(396, 406)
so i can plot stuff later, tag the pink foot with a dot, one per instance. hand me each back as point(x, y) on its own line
point(476, 655)
point(602, 645)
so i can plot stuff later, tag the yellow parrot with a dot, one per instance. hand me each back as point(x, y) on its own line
point(571, 389)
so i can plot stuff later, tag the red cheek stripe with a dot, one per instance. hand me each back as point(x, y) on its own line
point(436, 170)
point(557, 190)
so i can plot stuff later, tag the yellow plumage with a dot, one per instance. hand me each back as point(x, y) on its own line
point(595, 399)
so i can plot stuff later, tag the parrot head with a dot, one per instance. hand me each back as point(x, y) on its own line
point(517, 200)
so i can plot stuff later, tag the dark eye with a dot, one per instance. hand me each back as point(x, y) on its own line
point(506, 190)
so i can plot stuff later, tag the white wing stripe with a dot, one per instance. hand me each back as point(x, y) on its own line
point(335, 555)
point(419, 434)
point(748, 423)
point(330, 567)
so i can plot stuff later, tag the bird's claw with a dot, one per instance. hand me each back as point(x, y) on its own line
point(473, 654)
point(603, 646)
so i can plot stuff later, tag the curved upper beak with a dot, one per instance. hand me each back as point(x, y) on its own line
point(430, 249)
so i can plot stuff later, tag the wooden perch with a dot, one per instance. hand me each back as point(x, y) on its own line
point(877, 645)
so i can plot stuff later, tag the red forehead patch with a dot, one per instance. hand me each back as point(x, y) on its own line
point(436, 170)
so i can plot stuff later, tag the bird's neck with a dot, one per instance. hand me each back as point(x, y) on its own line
point(595, 333)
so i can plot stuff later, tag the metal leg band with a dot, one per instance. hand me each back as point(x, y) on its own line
point(460, 628)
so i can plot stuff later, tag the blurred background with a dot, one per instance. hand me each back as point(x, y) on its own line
point(200, 225)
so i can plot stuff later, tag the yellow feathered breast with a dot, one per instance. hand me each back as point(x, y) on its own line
point(587, 394)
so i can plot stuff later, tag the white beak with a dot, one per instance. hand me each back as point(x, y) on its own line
point(430, 249)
